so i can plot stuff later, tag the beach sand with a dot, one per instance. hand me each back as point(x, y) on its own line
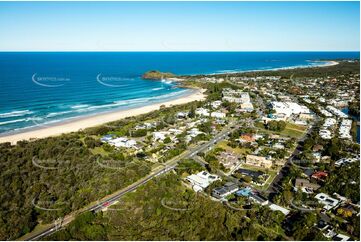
point(91, 121)
point(330, 63)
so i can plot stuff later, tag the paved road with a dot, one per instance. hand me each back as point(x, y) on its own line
point(170, 165)
point(274, 187)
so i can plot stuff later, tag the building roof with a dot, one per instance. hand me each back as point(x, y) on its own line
point(253, 174)
point(320, 175)
point(283, 210)
point(227, 188)
point(202, 179)
point(328, 201)
point(300, 182)
point(247, 137)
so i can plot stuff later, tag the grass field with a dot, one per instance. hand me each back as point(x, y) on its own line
point(224, 145)
point(291, 130)
point(99, 151)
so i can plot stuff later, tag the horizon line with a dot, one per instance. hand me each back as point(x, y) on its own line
point(58, 51)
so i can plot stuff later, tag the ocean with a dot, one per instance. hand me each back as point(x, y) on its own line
point(42, 88)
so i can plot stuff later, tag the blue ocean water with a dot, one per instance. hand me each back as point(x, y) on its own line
point(42, 88)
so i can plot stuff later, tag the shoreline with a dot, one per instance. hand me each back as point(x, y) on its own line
point(324, 64)
point(79, 123)
point(97, 119)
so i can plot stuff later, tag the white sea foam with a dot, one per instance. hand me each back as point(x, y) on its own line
point(50, 115)
point(157, 88)
point(312, 64)
point(79, 106)
point(13, 121)
point(15, 114)
point(130, 102)
point(43, 121)
point(166, 81)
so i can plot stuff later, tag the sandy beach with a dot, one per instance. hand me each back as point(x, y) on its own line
point(94, 120)
point(91, 121)
point(330, 63)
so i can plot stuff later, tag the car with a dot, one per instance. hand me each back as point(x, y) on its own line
point(106, 204)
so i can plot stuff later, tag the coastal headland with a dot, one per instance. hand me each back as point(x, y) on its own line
point(103, 118)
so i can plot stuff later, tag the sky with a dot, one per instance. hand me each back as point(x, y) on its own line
point(180, 26)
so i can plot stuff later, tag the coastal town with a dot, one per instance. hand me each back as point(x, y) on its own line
point(279, 143)
point(180, 120)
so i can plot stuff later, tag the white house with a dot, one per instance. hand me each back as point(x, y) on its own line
point(329, 122)
point(345, 129)
point(202, 112)
point(160, 135)
point(123, 142)
point(325, 113)
point(283, 210)
point(336, 112)
point(345, 161)
point(216, 104)
point(182, 114)
point(328, 201)
point(201, 180)
point(175, 131)
point(218, 115)
point(194, 132)
point(325, 134)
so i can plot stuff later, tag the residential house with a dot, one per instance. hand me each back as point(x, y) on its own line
point(327, 201)
point(216, 104)
point(320, 175)
point(306, 186)
point(225, 190)
point(259, 161)
point(123, 142)
point(201, 180)
point(246, 107)
point(283, 210)
point(228, 159)
point(182, 115)
point(202, 112)
point(218, 115)
point(160, 135)
point(246, 138)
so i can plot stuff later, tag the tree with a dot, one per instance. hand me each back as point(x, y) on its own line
point(192, 112)
point(276, 125)
point(167, 140)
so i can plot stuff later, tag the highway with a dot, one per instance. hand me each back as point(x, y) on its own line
point(170, 165)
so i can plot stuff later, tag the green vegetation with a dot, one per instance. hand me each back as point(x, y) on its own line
point(157, 75)
point(277, 126)
point(289, 130)
point(58, 173)
point(74, 170)
point(301, 227)
point(165, 210)
point(345, 181)
point(353, 130)
point(237, 150)
point(343, 67)
point(65, 173)
point(354, 108)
